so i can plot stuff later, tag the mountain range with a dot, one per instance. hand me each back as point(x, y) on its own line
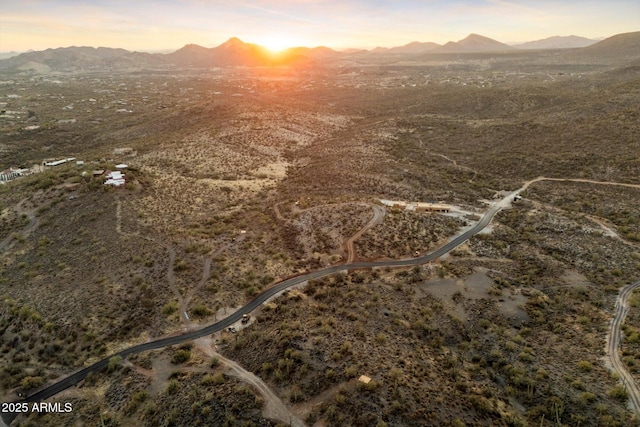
point(472, 43)
point(235, 52)
point(557, 42)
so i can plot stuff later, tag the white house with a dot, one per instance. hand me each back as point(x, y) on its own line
point(115, 178)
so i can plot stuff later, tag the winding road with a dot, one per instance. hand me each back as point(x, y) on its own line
point(613, 343)
point(78, 376)
point(349, 244)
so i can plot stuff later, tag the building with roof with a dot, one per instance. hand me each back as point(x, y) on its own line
point(51, 162)
point(115, 179)
point(416, 206)
point(432, 207)
point(12, 173)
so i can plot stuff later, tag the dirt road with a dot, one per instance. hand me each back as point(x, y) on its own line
point(588, 181)
point(378, 216)
point(76, 377)
point(613, 343)
point(206, 272)
point(274, 408)
point(184, 302)
point(171, 279)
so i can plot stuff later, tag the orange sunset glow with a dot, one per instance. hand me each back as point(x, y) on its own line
point(337, 213)
point(276, 43)
point(149, 26)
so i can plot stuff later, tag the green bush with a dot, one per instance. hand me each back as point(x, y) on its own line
point(180, 265)
point(114, 363)
point(181, 356)
point(215, 362)
point(585, 366)
point(29, 382)
point(170, 308)
point(619, 393)
point(201, 311)
point(586, 397)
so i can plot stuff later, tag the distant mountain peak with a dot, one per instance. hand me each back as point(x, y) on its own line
point(474, 43)
point(233, 42)
point(557, 42)
point(473, 37)
point(191, 46)
point(414, 47)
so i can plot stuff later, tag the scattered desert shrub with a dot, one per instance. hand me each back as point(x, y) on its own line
point(180, 356)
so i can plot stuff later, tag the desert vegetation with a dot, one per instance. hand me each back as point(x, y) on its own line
point(239, 178)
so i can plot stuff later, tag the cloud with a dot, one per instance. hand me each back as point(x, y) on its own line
point(278, 13)
point(517, 7)
point(349, 23)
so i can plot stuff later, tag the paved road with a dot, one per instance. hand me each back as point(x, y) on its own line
point(78, 376)
point(613, 343)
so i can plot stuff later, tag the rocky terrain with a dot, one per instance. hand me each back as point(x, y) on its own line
point(238, 178)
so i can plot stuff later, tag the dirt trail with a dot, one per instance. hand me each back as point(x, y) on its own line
point(603, 223)
point(171, 279)
point(206, 272)
point(378, 216)
point(506, 201)
point(609, 232)
point(613, 343)
point(454, 163)
point(621, 307)
point(348, 245)
point(276, 209)
point(588, 181)
point(303, 409)
point(119, 216)
point(274, 408)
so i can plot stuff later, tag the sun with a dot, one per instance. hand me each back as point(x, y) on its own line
point(277, 43)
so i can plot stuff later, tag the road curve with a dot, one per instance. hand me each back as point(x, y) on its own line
point(378, 216)
point(78, 376)
point(613, 343)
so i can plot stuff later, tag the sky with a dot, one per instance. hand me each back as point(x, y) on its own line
point(170, 24)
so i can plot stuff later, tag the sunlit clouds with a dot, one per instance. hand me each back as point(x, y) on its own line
point(154, 25)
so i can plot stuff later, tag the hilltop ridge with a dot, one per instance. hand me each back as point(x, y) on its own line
point(235, 52)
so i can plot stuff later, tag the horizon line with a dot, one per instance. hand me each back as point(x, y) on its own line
point(170, 49)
